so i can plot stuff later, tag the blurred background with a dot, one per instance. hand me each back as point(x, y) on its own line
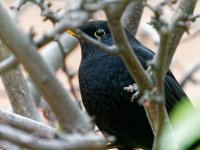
point(187, 54)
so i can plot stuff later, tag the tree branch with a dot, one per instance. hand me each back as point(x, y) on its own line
point(5, 145)
point(170, 36)
point(67, 113)
point(19, 95)
point(125, 51)
point(183, 11)
point(8, 64)
point(132, 15)
point(26, 124)
point(112, 50)
point(133, 65)
point(68, 142)
point(71, 21)
point(52, 55)
point(159, 66)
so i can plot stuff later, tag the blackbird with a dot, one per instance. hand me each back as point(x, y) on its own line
point(102, 79)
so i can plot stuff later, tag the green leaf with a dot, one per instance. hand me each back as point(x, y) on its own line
point(186, 126)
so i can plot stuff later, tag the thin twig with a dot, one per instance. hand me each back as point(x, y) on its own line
point(18, 5)
point(112, 50)
point(187, 75)
point(71, 21)
point(43, 5)
point(69, 75)
point(194, 17)
point(46, 12)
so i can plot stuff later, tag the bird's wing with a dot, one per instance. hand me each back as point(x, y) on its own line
point(173, 91)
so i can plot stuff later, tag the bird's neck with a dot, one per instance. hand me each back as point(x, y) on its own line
point(90, 53)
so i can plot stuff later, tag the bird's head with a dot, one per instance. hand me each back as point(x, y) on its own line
point(97, 30)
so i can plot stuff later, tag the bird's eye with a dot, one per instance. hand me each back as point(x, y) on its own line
point(99, 33)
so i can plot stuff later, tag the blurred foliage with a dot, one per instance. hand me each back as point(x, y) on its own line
point(186, 126)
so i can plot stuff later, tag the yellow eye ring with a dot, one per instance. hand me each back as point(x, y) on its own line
point(99, 33)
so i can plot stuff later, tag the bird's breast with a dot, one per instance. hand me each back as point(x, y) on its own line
point(107, 72)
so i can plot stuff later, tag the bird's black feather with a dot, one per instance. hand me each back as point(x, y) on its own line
point(102, 79)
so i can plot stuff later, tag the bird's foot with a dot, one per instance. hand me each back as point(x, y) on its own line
point(133, 89)
point(136, 95)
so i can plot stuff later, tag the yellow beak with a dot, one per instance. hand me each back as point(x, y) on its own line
point(71, 33)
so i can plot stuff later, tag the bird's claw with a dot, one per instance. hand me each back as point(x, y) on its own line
point(136, 95)
point(133, 89)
